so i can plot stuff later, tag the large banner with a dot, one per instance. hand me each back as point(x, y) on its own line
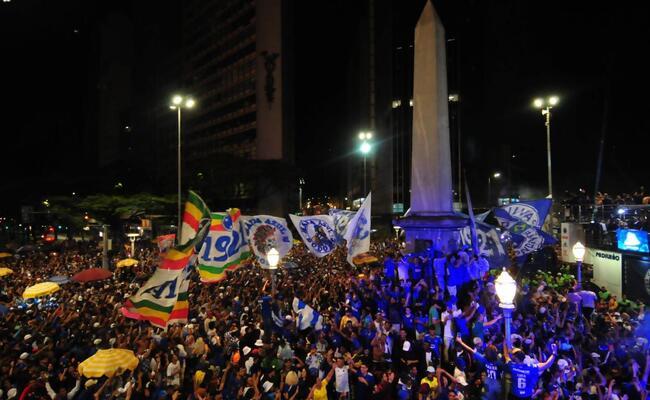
point(317, 232)
point(358, 231)
point(528, 239)
point(225, 248)
point(532, 212)
point(489, 244)
point(163, 298)
point(264, 232)
point(608, 269)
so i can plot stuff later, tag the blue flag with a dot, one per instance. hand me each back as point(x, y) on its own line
point(528, 239)
point(532, 212)
point(307, 316)
point(317, 232)
point(489, 242)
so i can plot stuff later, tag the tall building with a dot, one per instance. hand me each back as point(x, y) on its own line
point(238, 140)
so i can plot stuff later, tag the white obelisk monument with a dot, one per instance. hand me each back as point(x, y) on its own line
point(430, 220)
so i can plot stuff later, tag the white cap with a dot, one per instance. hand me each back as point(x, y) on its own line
point(27, 337)
point(24, 356)
point(267, 386)
point(246, 350)
point(562, 363)
point(11, 393)
point(96, 325)
point(431, 370)
point(259, 343)
point(97, 341)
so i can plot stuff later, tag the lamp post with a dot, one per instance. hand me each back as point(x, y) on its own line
point(579, 254)
point(495, 175)
point(545, 105)
point(506, 289)
point(104, 246)
point(178, 103)
point(273, 257)
point(301, 182)
point(365, 149)
point(132, 237)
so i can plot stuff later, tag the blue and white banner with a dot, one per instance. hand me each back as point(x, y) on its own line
point(531, 212)
point(528, 239)
point(317, 232)
point(307, 316)
point(264, 232)
point(358, 231)
point(341, 220)
point(489, 244)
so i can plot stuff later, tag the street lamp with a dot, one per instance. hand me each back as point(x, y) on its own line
point(301, 182)
point(178, 103)
point(132, 237)
point(545, 105)
point(506, 289)
point(579, 255)
point(273, 258)
point(495, 175)
point(365, 148)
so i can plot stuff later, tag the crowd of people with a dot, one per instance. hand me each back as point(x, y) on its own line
point(436, 332)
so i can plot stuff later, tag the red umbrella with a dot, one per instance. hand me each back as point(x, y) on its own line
point(92, 274)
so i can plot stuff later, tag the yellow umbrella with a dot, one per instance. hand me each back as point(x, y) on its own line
point(127, 262)
point(5, 271)
point(5, 255)
point(108, 362)
point(40, 289)
point(364, 259)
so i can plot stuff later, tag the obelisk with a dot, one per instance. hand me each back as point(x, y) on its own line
point(431, 216)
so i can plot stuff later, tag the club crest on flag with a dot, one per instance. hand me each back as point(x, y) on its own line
point(317, 232)
point(531, 212)
point(264, 232)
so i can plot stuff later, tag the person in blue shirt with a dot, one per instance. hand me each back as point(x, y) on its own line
point(524, 377)
point(365, 381)
point(492, 366)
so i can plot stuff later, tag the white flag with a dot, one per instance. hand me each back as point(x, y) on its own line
point(317, 232)
point(358, 232)
point(265, 232)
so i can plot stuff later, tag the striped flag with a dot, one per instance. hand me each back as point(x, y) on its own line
point(307, 316)
point(225, 248)
point(163, 299)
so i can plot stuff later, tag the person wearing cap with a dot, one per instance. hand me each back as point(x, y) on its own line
point(430, 379)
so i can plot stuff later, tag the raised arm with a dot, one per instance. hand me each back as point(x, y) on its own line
point(464, 346)
point(543, 366)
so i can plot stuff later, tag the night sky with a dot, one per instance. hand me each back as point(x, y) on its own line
point(591, 55)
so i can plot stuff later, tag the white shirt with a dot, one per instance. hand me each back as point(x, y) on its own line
point(448, 324)
point(342, 383)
